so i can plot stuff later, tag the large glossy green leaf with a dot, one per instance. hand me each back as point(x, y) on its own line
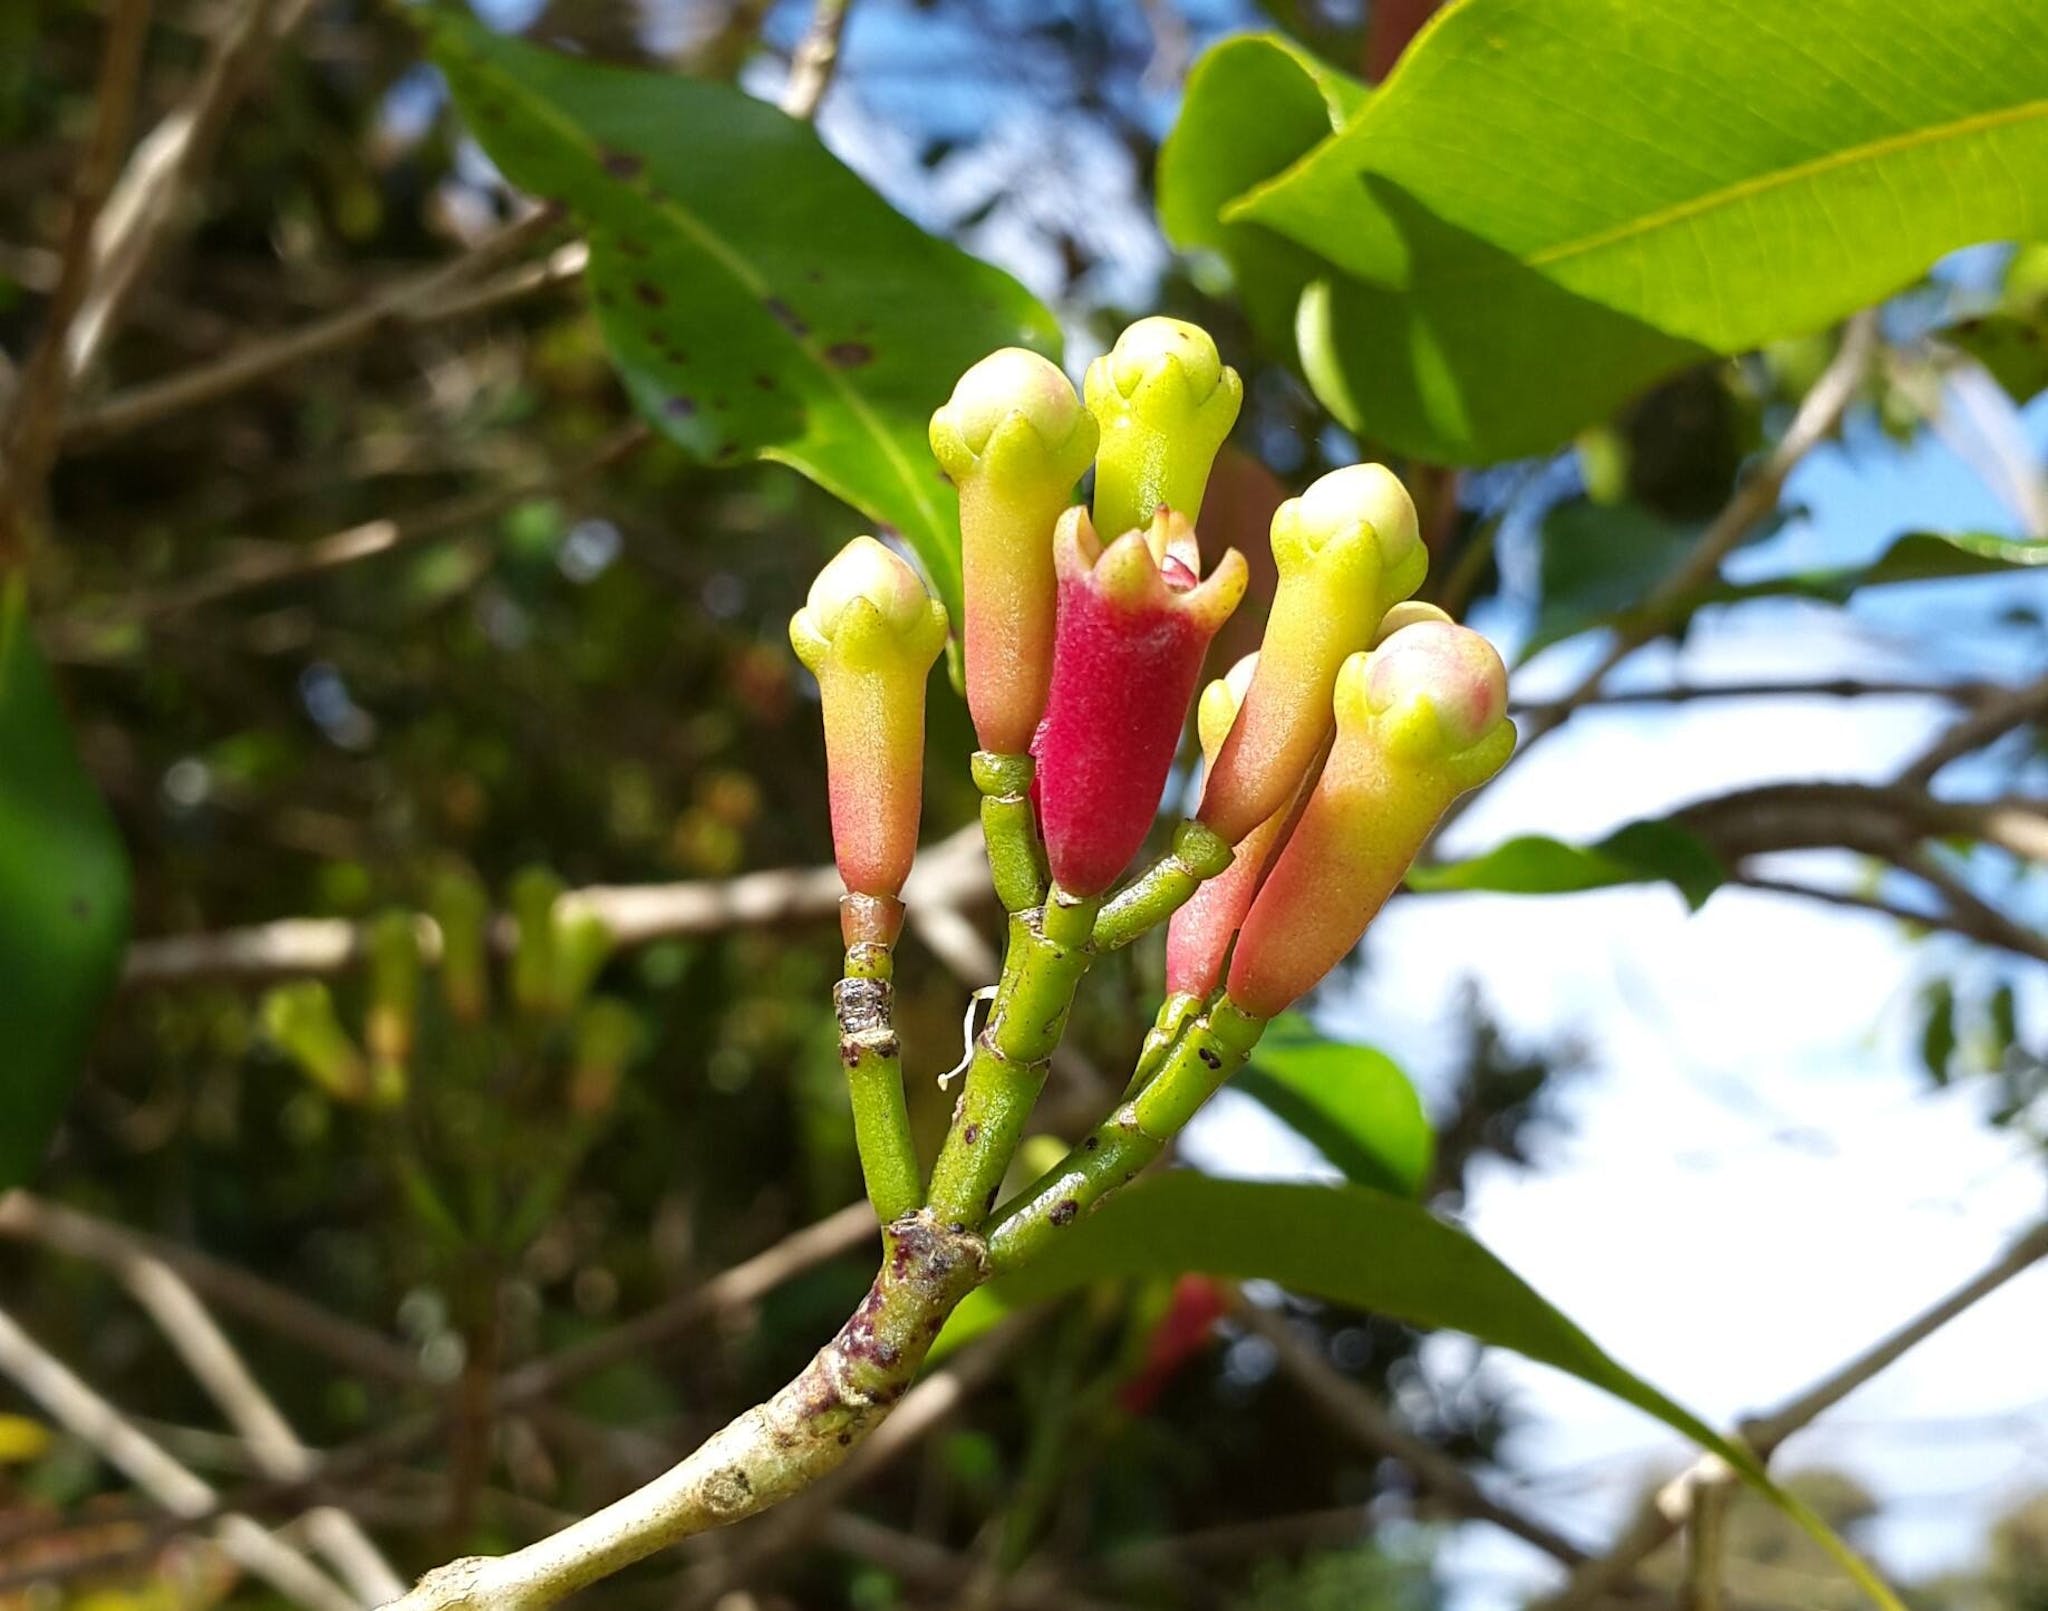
point(1534, 864)
point(1254, 105)
point(1359, 1247)
point(1551, 202)
point(757, 297)
point(1352, 1102)
point(63, 898)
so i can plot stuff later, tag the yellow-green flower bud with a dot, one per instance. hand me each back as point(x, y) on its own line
point(869, 633)
point(1418, 723)
point(298, 1018)
point(393, 947)
point(582, 944)
point(462, 912)
point(1013, 439)
point(1347, 550)
point(1165, 400)
point(535, 972)
point(606, 1038)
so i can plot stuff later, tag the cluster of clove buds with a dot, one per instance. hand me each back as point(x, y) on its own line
point(1330, 755)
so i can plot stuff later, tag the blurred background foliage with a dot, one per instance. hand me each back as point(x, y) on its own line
point(567, 652)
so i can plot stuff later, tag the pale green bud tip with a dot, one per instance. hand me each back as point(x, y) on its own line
point(1217, 712)
point(1148, 347)
point(1361, 494)
point(1443, 687)
point(1012, 383)
point(869, 599)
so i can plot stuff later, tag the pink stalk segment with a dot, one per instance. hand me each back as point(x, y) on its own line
point(1199, 936)
point(1165, 400)
point(1419, 721)
point(1135, 619)
point(1014, 439)
point(1347, 550)
point(869, 633)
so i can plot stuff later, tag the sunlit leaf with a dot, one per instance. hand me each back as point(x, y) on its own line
point(1546, 206)
point(1358, 1247)
point(758, 298)
point(1352, 1102)
point(1534, 864)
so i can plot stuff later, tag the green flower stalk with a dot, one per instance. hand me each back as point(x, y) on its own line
point(462, 912)
point(1014, 439)
point(1164, 400)
point(1419, 721)
point(393, 952)
point(869, 633)
point(1347, 551)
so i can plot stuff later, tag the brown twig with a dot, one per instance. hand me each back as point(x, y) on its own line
point(1993, 719)
point(950, 871)
point(103, 1428)
point(29, 432)
point(1361, 1417)
point(1666, 1511)
point(1967, 693)
point(163, 171)
point(816, 61)
point(445, 292)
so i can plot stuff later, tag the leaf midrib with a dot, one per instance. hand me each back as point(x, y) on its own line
point(728, 257)
point(1668, 217)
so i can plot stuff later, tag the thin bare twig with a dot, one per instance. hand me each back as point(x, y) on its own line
point(1367, 1423)
point(274, 563)
point(164, 170)
point(951, 871)
point(1968, 693)
point(95, 1422)
point(445, 292)
point(214, 1362)
point(816, 61)
point(29, 432)
point(2013, 707)
point(1667, 1509)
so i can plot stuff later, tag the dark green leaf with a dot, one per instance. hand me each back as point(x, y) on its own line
point(63, 893)
point(758, 298)
point(1353, 1246)
point(1548, 205)
point(1641, 853)
point(2013, 350)
point(1352, 1102)
point(1938, 1031)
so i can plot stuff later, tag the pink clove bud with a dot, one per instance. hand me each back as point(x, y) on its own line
point(1135, 619)
point(869, 633)
point(1419, 722)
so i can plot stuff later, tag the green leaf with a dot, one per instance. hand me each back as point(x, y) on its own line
point(1938, 1032)
point(1358, 1247)
point(1547, 205)
point(1254, 105)
point(63, 893)
point(1352, 1102)
point(757, 297)
point(1641, 853)
point(2014, 351)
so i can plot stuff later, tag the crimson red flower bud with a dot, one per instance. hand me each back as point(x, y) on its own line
point(1419, 721)
point(1135, 619)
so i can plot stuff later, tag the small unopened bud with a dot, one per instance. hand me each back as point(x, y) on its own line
point(869, 633)
point(1408, 613)
point(583, 942)
point(1165, 400)
point(393, 948)
point(606, 1038)
point(1418, 723)
point(462, 912)
point(1346, 550)
point(1135, 619)
point(299, 1020)
point(1013, 439)
point(533, 893)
